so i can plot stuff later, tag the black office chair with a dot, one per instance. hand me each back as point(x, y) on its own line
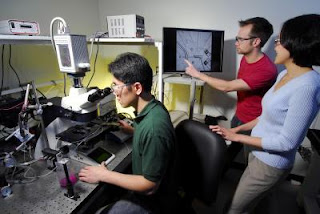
point(201, 159)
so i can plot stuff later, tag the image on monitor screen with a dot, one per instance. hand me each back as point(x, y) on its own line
point(195, 47)
point(64, 55)
point(203, 48)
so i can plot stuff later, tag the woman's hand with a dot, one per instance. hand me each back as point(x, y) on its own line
point(227, 134)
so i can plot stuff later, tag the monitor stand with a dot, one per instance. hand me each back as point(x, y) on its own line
point(192, 98)
point(186, 80)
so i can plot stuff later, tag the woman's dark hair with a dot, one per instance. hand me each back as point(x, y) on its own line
point(301, 37)
point(131, 68)
point(261, 28)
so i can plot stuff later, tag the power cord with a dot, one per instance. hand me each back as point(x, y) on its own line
point(96, 57)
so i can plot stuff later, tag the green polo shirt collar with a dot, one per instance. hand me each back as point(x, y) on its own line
point(146, 109)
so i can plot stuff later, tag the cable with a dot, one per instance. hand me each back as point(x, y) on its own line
point(125, 114)
point(2, 69)
point(24, 165)
point(37, 176)
point(94, 65)
point(64, 84)
point(44, 96)
point(95, 61)
point(14, 69)
point(62, 29)
point(95, 35)
point(40, 176)
point(96, 57)
point(91, 48)
point(8, 109)
point(19, 180)
point(90, 136)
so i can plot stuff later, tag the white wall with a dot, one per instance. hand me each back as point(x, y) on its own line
point(209, 14)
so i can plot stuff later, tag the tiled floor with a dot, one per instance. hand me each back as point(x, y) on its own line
point(286, 197)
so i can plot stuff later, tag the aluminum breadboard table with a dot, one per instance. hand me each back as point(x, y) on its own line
point(45, 195)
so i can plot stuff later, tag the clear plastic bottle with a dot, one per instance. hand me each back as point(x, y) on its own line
point(64, 169)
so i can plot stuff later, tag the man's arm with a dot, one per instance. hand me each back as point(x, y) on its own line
point(96, 174)
point(219, 84)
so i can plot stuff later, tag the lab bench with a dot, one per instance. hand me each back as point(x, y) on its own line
point(44, 195)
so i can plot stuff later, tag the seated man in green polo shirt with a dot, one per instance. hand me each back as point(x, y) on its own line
point(151, 186)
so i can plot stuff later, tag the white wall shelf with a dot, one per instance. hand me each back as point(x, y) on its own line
point(124, 40)
point(22, 39)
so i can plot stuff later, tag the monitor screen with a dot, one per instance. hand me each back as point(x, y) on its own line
point(99, 154)
point(64, 55)
point(203, 48)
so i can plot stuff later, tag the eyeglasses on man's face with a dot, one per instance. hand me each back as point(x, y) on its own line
point(118, 88)
point(240, 39)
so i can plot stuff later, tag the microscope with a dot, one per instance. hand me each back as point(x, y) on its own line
point(73, 59)
point(80, 106)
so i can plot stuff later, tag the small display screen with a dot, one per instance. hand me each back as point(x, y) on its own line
point(99, 155)
point(64, 55)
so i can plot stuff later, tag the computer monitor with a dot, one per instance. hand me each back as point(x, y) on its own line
point(203, 48)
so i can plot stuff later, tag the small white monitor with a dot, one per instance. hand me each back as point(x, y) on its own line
point(72, 53)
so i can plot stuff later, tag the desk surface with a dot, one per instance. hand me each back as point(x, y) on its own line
point(45, 195)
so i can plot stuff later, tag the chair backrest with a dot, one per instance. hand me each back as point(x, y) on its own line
point(201, 155)
point(314, 137)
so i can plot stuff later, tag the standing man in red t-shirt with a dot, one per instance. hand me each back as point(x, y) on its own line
point(256, 75)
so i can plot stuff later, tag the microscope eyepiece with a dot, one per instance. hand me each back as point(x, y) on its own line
point(99, 94)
